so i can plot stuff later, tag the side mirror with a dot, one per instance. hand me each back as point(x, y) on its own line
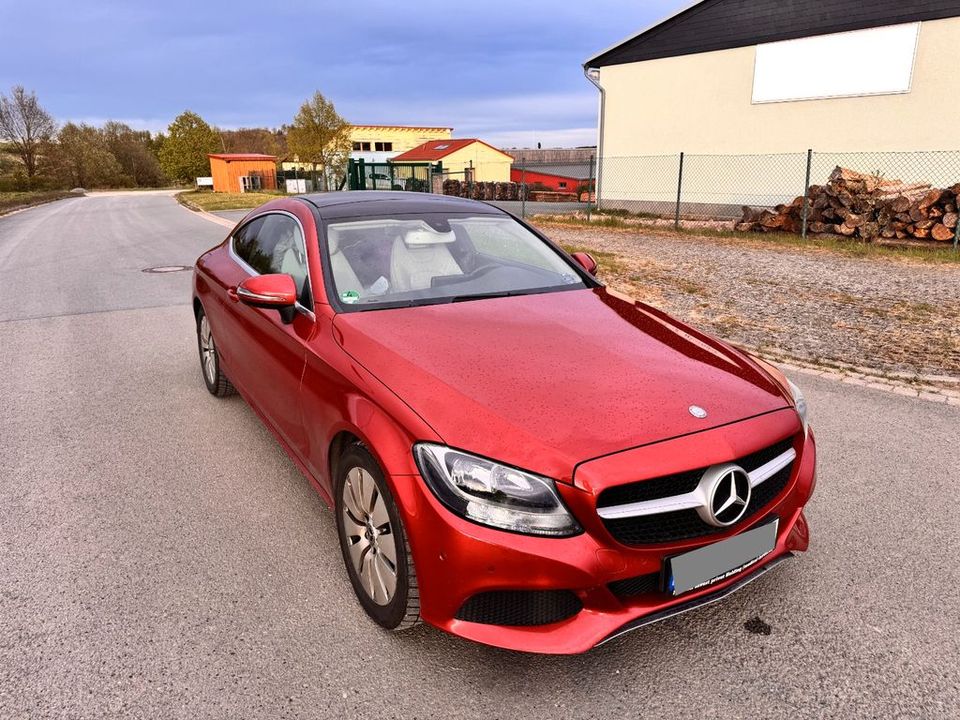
point(586, 261)
point(270, 292)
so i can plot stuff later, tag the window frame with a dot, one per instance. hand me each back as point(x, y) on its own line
point(246, 267)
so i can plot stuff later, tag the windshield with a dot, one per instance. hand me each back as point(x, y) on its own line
point(431, 258)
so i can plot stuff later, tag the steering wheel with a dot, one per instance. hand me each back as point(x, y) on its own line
point(481, 270)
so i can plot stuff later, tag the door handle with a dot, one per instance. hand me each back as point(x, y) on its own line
point(232, 294)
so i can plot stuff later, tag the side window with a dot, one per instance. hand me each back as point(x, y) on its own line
point(245, 246)
point(281, 241)
point(274, 244)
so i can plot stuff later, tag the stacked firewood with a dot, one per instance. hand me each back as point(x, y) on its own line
point(867, 207)
point(482, 190)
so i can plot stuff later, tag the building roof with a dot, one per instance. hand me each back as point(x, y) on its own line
point(400, 127)
point(241, 156)
point(711, 25)
point(433, 150)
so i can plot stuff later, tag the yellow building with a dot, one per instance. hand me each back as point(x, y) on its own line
point(461, 158)
point(380, 143)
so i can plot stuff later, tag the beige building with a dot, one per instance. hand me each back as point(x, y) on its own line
point(729, 77)
point(462, 158)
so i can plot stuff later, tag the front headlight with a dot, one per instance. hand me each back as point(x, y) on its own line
point(493, 494)
point(801, 404)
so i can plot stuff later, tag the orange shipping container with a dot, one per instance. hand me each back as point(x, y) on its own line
point(227, 169)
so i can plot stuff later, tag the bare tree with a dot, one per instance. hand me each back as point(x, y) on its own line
point(26, 125)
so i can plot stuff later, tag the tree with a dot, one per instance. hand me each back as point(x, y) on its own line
point(81, 158)
point(252, 140)
point(183, 153)
point(132, 149)
point(321, 137)
point(26, 125)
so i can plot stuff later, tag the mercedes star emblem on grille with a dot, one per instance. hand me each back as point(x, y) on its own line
point(729, 497)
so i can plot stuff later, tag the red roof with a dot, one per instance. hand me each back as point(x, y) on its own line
point(241, 156)
point(437, 149)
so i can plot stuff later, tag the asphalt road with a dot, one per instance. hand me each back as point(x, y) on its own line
point(160, 557)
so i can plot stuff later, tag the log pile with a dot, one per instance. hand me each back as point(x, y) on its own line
point(483, 190)
point(866, 207)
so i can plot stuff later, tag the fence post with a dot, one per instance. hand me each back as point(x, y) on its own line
point(676, 215)
point(806, 194)
point(590, 189)
point(956, 237)
point(523, 184)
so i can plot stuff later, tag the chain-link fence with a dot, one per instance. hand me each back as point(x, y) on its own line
point(685, 186)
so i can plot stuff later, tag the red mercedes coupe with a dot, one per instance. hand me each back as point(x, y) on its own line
point(514, 453)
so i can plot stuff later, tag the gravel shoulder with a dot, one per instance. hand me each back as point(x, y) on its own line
point(893, 315)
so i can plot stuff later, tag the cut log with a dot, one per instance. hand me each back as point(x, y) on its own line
point(930, 199)
point(845, 230)
point(950, 219)
point(869, 230)
point(900, 204)
point(771, 221)
point(941, 233)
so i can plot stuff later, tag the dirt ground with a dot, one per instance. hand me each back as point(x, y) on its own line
point(895, 315)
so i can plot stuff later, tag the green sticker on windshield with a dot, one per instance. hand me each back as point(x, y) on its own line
point(350, 297)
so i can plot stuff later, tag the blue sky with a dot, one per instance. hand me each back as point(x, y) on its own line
point(509, 72)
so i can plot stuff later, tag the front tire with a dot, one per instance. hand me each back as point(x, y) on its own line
point(213, 377)
point(374, 543)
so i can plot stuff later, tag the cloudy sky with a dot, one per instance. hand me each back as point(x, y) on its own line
point(508, 71)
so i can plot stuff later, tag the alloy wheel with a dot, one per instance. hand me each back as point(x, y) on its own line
point(370, 538)
point(208, 351)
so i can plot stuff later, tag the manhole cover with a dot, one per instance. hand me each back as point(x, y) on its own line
point(167, 269)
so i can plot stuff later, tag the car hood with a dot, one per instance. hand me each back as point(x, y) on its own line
point(547, 381)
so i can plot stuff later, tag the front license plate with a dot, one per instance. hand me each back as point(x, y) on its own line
point(713, 563)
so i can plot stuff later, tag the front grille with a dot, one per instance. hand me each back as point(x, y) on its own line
point(520, 607)
point(686, 524)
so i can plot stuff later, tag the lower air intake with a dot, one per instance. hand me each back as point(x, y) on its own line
point(520, 607)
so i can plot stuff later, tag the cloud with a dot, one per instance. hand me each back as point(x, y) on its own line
point(497, 69)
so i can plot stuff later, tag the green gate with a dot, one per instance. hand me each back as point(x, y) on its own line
point(411, 177)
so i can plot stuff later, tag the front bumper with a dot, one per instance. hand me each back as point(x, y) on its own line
point(456, 560)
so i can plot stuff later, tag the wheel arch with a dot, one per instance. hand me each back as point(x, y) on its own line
point(338, 445)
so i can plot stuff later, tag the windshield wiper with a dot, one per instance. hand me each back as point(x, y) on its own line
point(486, 296)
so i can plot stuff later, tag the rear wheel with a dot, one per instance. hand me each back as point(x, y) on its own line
point(374, 543)
point(213, 377)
